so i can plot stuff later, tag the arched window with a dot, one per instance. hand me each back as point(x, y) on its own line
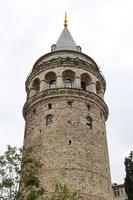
point(85, 80)
point(49, 120)
point(88, 122)
point(50, 78)
point(68, 83)
point(68, 77)
point(52, 84)
point(36, 84)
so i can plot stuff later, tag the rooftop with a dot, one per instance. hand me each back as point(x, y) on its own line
point(65, 41)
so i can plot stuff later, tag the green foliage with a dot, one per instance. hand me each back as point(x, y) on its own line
point(28, 187)
point(62, 192)
point(129, 176)
point(10, 173)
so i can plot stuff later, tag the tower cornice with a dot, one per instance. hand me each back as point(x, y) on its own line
point(65, 92)
point(50, 54)
point(65, 58)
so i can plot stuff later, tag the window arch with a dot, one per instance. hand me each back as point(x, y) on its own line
point(89, 122)
point(68, 77)
point(36, 84)
point(50, 77)
point(68, 74)
point(85, 80)
point(49, 120)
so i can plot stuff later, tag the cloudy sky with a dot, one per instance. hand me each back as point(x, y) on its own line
point(104, 30)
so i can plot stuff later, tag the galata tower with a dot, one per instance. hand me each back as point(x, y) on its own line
point(65, 117)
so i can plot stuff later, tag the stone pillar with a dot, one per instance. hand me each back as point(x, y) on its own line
point(59, 82)
point(32, 92)
point(77, 82)
point(43, 85)
point(91, 87)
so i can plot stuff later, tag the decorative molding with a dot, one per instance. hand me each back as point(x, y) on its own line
point(67, 60)
point(61, 92)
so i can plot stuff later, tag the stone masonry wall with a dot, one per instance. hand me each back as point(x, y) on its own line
point(69, 151)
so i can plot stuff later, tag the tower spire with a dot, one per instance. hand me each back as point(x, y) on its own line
point(65, 20)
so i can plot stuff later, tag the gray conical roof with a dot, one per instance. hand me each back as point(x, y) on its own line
point(65, 42)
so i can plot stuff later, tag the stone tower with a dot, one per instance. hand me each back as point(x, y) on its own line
point(65, 116)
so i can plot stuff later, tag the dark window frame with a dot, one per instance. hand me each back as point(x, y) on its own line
point(89, 122)
point(68, 83)
point(49, 120)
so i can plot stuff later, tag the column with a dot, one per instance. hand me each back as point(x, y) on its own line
point(92, 87)
point(43, 85)
point(77, 82)
point(59, 82)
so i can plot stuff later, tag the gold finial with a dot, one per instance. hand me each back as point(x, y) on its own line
point(65, 21)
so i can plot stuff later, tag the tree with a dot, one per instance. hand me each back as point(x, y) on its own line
point(10, 164)
point(28, 187)
point(129, 176)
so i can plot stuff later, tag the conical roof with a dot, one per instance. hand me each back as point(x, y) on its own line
point(65, 41)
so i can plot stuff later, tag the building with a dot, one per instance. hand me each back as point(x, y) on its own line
point(119, 192)
point(65, 115)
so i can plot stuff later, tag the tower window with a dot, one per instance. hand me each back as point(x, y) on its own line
point(70, 142)
point(88, 122)
point(85, 80)
point(116, 192)
point(36, 84)
point(68, 83)
point(50, 78)
point(49, 120)
point(88, 107)
point(68, 77)
point(49, 106)
point(69, 104)
point(52, 84)
point(83, 85)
